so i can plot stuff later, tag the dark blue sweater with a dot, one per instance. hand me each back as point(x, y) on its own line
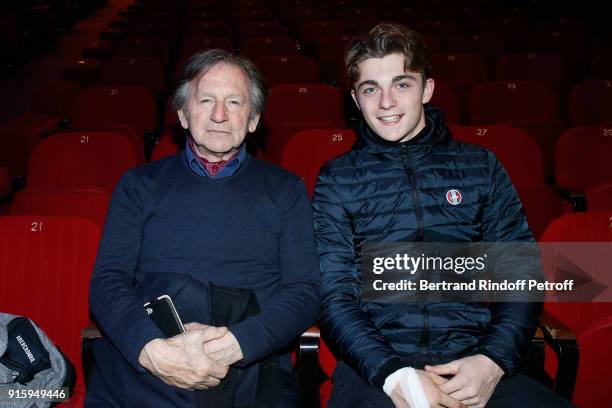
point(252, 229)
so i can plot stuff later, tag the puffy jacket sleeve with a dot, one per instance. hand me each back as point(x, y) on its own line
point(512, 324)
point(345, 326)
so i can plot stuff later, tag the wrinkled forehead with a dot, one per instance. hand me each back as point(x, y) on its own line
point(221, 78)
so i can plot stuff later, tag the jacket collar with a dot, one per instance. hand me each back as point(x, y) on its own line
point(435, 132)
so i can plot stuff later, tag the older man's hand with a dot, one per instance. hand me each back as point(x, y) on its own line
point(224, 350)
point(181, 361)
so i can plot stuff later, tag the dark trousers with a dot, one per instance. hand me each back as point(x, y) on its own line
point(114, 384)
point(351, 391)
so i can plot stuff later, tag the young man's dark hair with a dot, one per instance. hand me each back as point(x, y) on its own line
point(385, 39)
point(406, 180)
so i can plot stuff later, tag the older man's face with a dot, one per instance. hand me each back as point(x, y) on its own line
point(218, 110)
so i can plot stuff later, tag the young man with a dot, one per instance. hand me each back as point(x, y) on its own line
point(228, 237)
point(405, 180)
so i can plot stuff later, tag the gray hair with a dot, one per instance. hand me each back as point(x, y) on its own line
point(200, 63)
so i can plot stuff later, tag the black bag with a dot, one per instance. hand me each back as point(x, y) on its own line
point(29, 360)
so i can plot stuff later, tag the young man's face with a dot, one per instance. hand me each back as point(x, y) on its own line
point(218, 110)
point(390, 99)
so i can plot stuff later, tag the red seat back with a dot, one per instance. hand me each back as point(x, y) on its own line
point(91, 203)
point(459, 67)
point(445, 98)
point(166, 147)
point(306, 151)
point(532, 67)
point(590, 103)
point(45, 265)
point(499, 101)
point(81, 159)
point(579, 227)
point(140, 71)
point(599, 198)
point(582, 158)
point(103, 106)
point(515, 148)
point(291, 69)
point(264, 46)
point(291, 108)
point(593, 381)
point(142, 47)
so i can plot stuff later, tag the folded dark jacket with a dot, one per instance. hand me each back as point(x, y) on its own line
point(256, 385)
point(195, 301)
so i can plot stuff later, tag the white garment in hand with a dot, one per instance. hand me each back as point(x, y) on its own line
point(410, 385)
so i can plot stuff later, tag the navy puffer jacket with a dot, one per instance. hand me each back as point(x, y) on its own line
point(396, 192)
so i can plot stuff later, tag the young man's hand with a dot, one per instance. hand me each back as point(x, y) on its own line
point(474, 379)
point(435, 396)
point(181, 361)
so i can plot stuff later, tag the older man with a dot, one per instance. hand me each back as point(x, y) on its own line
point(228, 237)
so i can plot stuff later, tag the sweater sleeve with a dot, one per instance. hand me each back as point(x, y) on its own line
point(346, 327)
point(512, 324)
point(296, 306)
point(116, 305)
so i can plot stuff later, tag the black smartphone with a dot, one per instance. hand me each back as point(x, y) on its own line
point(162, 311)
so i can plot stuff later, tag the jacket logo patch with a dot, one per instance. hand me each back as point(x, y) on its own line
point(453, 197)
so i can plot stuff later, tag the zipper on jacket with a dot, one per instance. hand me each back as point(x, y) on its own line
point(415, 194)
point(425, 336)
point(419, 216)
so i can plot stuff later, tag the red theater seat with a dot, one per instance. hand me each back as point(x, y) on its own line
point(599, 198)
point(590, 103)
point(107, 106)
point(264, 46)
point(262, 29)
point(45, 265)
point(520, 155)
point(489, 45)
point(581, 317)
point(531, 105)
point(290, 69)
point(546, 67)
point(197, 43)
point(582, 158)
point(584, 228)
point(90, 202)
point(291, 108)
point(593, 382)
point(306, 151)
point(469, 68)
point(445, 98)
point(139, 71)
point(142, 48)
point(166, 147)
point(81, 159)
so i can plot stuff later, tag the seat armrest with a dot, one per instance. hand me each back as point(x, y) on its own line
point(89, 335)
point(307, 364)
point(576, 198)
point(563, 342)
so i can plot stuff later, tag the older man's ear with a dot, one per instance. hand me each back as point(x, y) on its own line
point(253, 124)
point(183, 119)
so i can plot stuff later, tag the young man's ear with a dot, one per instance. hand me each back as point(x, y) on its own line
point(183, 119)
point(355, 99)
point(428, 90)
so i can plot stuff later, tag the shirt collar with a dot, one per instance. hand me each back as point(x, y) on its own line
point(229, 169)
